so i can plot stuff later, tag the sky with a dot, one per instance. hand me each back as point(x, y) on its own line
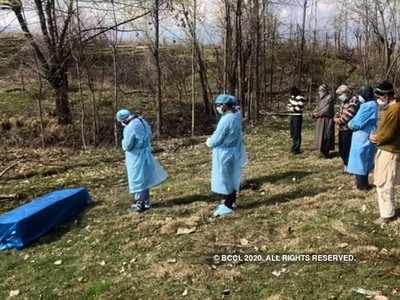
point(208, 29)
point(325, 16)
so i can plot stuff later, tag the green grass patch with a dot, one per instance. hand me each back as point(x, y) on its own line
point(289, 204)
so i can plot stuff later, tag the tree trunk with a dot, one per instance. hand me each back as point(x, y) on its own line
point(194, 67)
point(263, 79)
point(250, 81)
point(39, 100)
point(158, 68)
point(60, 86)
point(201, 65)
point(315, 41)
point(239, 55)
point(203, 79)
point(303, 41)
point(227, 49)
point(257, 60)
point(94, 108)
point(115, 89)
point(22, 78)
point(272, 50)
point(114, 45)
point(78, 61)
point(82, 102)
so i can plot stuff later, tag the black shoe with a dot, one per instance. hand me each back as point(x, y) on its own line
point(384, 221)
point(366, 188)
point(369, 187)
point(297, 152)
point(138, 208)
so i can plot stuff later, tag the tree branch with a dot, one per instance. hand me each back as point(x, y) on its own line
point(115, 26)
point(22, 22)
point(51, 25)
point(66, 24)
point(42, 18)
point(8, 168)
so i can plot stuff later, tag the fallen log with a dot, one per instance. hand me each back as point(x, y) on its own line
point(11, 197)
point(8, 168)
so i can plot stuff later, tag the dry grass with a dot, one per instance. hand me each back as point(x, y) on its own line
point(289, 205)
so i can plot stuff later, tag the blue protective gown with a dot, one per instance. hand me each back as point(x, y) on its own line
point(227, 159)
point(144, 171)
point(362, 151)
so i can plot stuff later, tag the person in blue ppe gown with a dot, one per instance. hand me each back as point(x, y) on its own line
point(143, 170)
point(227, 154)
point(362, 150)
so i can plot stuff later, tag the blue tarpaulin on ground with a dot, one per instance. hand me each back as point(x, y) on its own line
point(22, 225)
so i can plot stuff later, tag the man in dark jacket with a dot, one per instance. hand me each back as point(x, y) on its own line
point(295, 108)
point(325, 128)
point(348, 110)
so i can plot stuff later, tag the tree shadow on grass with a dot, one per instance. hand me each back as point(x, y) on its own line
point(281, 198)
point(57, 170)
point(186, 200)
point(256, 183)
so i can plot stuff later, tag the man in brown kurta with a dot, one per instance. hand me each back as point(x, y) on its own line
point(387, 160)
point(325, 128)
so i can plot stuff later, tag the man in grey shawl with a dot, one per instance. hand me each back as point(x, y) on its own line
point(325, 127)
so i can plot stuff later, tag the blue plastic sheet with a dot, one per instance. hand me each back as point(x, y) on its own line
point(23, 225)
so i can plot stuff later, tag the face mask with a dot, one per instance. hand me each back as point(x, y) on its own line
point(220, 110)
point(343, 98)
point(361, 99)
point(123, 124)
point(382, 102)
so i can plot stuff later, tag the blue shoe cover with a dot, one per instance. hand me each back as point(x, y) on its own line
point(222, 211)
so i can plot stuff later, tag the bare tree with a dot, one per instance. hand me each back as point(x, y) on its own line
point(156, 53)
point(51, 47)
point(185, 19)
point(114, 47)
point(377, 24)
point(194, 42)
point(300, 66)
point(239, 54)
point(227, 72)
point(77, 57)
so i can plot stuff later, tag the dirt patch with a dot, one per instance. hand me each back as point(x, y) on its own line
point(173, 271)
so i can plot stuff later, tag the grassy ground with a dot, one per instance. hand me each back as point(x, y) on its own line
point(290, 205)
